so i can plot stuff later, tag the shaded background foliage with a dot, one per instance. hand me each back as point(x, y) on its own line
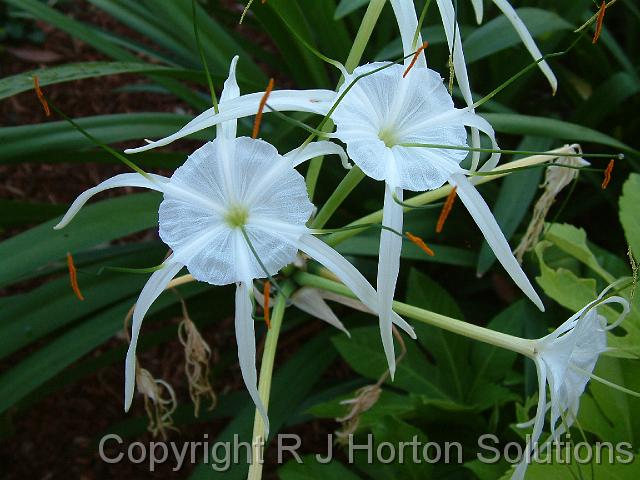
point(130, 70)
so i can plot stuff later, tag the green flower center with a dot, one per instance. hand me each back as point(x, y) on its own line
point(237, 216)
point(387, 135)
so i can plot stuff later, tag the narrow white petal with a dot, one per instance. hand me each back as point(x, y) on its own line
point(154, 182)
point(528, 41)
point(454, 40)
point(407, 19)
point(538, 424)
point(310, 300)
point(230, 91)
point(388, 268)
point(483, 217)
point(349, 275)
point(478, 8)
point(152, 290)
point(317, 149)
point(245, 336)
point(312, 101)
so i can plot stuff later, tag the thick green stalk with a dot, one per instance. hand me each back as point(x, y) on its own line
point(264, 385)
point(353, 59)
point(475, 332)
point(442, 192)
point(348, 183)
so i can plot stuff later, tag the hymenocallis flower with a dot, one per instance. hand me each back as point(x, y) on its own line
point(565, 360)
point(235, 211)
point(400, 127)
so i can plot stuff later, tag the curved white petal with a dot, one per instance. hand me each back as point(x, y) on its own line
point(229, 92)
point(310, 300)
point(407, 19)
point(317, 149)
point(452, 32)
point(388, 268)
point(528, 41)
point(349, 275)
point(538, 424)
point(478, 9)
point(154, 182)
point(245, 336)
point(151, 291)
point(312, 101)
point(483, 217)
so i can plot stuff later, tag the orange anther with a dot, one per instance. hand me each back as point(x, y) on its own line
point(73, 277)
point(267, 299)
point(446, 210)
point(263, 102)
point(415, 58)
point(40, 95)
point(607, 174)
point(420, 244)
point(603, 7)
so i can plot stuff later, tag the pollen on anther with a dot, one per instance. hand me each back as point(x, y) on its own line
point(415, 58)
point(420, 244)
point(267, 299)
point(263, 102)
point(600, 19)
point(607, 174)
point(73, 277)
point(446, 210)
point(41, 98)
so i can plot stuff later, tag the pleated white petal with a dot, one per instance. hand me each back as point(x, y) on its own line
point(407, 19)
point(317, 149)
point(528, 41)
point(312, 101)
point(230, 91)
point(454, 40)
point(245, 336)
point(388, 268)
point(349, 275)
point(151, 291)
point(310, 300)
point(153, 182)
point(483, 217)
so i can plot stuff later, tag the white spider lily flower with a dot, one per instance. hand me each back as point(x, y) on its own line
point(565, 360)
point(235, 211)
point(377, 115)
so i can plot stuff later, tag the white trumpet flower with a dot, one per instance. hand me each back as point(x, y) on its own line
point(383, 118)
point(235, 211)
point(565, 360)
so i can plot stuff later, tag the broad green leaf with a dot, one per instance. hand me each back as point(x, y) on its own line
point(30, 316)
point(28, 251)
point(23, 82)
point(18, 142)
point(629, 213)
point(573, 241)
point(13, 213)
point(498, 34)
point(311, 469)
point(345, 7)
point(607, 412)
point(590, 470)
point(550, 127)
point(57, 354)
point(607, 98)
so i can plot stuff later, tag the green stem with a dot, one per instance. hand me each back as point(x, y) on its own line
point(353, 59)
point(342, 191)
point(475, 332)
point(264, 385)
point(443, 192)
